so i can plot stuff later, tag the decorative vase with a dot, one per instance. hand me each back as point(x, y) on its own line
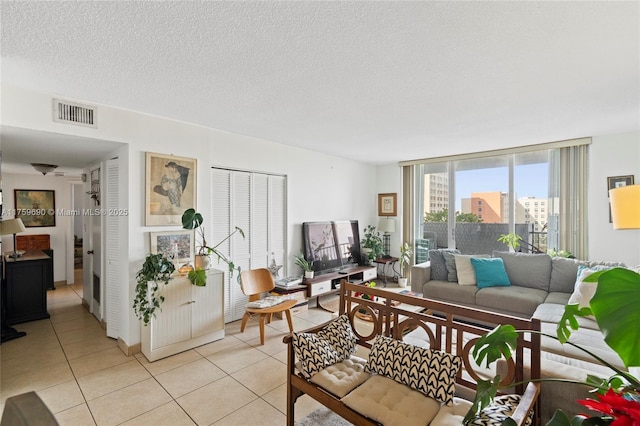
point(402, 282)
point(308, 274)
point(202, 261)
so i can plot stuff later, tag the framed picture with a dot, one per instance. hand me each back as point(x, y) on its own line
point(617, 182)
point(387, 204)
point(36, 207)
point(176, 245)
point(170, 188)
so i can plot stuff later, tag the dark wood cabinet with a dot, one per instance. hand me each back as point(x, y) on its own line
point(26, 280)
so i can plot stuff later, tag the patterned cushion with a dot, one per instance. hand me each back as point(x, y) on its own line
point(438, 268)
point(501, 408)
point(334, 343)
point(431, 372)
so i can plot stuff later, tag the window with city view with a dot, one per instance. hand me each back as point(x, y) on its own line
point(480, 192)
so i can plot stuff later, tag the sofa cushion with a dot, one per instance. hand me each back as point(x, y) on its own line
point(466, 274)
point(451, 292)
point(519, 300)
point(564, 272)
point(342, 377)
point(430, 372)
point(391, 403)
point(490, 272)
point(552, 313)
point(557, 297)
point(438, 267)
point(527, 270)
point(334, 343)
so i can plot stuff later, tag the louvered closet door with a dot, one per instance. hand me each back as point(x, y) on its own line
point(255, 202)
point(114, 291)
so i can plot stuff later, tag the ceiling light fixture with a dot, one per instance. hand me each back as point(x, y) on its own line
point(44, 168)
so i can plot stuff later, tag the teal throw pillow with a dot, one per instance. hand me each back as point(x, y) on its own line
point(490, 272)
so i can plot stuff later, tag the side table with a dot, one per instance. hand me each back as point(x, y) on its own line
point(384, 261)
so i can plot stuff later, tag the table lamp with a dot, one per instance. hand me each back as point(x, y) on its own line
point(625, 207)
point(12, 226)
point(387, 225)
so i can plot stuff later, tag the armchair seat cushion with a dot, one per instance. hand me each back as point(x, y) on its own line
point(391, 403)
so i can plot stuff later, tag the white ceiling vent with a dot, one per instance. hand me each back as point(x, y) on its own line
point(71, 112)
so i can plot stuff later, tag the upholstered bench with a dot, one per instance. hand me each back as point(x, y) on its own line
point(401, 383)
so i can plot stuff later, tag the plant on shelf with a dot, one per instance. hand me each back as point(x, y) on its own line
point(615, 309)
point(371, 244)
point(404, 261)
point(305, 265)
point(193, 220)
point(560, 253)
point(514, 241)
point(156, 269)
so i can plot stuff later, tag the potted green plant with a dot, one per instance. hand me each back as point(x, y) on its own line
point(615, 309)
point(156, 269)
point(193, 220)
point(305, 265)
point(406, 254)
point(371, 245)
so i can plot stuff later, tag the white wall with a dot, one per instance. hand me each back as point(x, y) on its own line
point(613, 155)
point(320, 187)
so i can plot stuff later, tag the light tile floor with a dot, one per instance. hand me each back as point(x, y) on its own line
point(85, 379)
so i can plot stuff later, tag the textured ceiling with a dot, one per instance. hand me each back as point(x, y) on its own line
point(375, 81)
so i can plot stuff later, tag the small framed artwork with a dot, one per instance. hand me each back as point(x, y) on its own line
point(618, 181)
point(614, 182)
point(36, 207)
point(170, 188)
point(176, 245)
point(387, 204)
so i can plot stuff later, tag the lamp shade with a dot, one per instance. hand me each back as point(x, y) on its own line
point(625, 207)
point(387, 224)
point(11, 226)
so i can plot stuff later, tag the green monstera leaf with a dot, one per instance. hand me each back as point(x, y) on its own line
point(615, 306)
point(501, 341)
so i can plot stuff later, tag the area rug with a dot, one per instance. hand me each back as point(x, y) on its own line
point(330, 303)
point(323, 417)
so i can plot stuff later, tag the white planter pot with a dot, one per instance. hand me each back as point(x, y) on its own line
point(202, 261)
point(402, 282)
point(308, 274)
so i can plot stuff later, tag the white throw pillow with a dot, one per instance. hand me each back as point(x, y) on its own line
point(465, 271)
point(583, 292)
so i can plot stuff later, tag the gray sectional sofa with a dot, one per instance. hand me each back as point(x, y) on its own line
point(540, 287)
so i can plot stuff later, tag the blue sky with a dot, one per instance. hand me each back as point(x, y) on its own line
point(530, 180)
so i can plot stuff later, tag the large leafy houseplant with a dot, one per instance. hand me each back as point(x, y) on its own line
point(193, 220)
point(156, 269)
point(615, 308)
point(373, 242)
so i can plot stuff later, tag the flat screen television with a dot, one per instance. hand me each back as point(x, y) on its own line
point(332, 245)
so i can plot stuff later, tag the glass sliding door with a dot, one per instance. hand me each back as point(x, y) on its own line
point(482, 203)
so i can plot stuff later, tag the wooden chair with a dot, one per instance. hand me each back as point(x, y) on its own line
point(255, 282)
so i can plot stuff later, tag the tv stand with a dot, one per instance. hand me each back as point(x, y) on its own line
point(330, 283)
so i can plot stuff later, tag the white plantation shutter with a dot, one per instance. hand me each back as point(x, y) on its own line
point(278, 221)
point(255, 202)
point(260, 222)
point(115, 306)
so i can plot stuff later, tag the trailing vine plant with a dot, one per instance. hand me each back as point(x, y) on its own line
point(156, 269)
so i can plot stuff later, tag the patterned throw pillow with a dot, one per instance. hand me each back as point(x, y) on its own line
point(437, 262)
point(431, 372)
point(501, 408)
point(316, 351)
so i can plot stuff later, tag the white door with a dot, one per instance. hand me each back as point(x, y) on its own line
point(94, 249)
point(115, 216)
